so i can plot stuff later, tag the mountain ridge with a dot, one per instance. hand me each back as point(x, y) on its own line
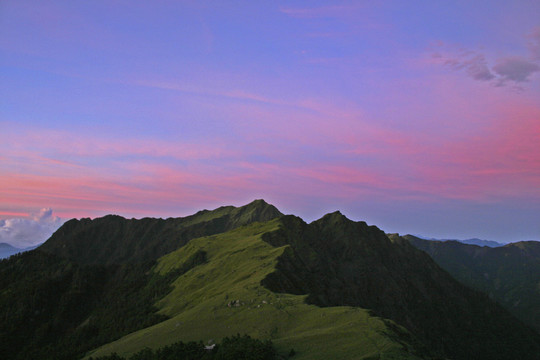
point(6, 250)
point(153, 271)
point(226, 292)
point(337, 261)
point(471, 241)
point(114, 239)
point(509, 274)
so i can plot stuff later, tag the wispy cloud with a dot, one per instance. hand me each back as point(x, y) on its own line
point(474, 64)
point(61, 142)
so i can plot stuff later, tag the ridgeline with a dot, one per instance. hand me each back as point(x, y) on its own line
point(333, 288)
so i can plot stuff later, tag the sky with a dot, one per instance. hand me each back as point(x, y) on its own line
point(419, 117)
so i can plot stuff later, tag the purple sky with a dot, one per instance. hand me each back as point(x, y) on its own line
point(419, 117)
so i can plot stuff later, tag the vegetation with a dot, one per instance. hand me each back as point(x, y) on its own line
point(92, 283)
point(115, 240)
point(121, 288)
point(339, 262)
point(51, 308)
point(224, 296)
point(234, 348)
point(7, 250)
point(510, 274)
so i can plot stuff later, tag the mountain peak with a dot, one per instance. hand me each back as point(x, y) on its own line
point(335, 217)
point(263, 205)
point(7, 250)
point(257, 210)
point(258, 202)
point(6, 246)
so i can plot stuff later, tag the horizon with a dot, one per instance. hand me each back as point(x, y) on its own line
point(47, 224)
point(418, 118)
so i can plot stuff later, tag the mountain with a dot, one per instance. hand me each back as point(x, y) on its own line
point(510, 274)
point(7, 250)
point(472, 241)
point(340, 262)
point(54, 307)
point(480, 242)
point(113, 239)
point(225, 295)
point(92, 271)
point(333, 288)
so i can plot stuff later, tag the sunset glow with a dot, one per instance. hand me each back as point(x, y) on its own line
point(414, 116)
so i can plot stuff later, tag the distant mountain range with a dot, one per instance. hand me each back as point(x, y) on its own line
point(330, 289)
point(7, 250)
point(510, 274)
point(473, 241)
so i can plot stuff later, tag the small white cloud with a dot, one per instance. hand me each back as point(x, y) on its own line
point(29, 231)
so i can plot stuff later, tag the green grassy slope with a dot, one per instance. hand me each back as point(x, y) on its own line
point(223, 297)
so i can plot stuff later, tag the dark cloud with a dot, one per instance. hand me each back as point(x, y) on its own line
point(477, 68)
point(29, 231)
point(473, 63)
point(534, 43)
point(515, 69)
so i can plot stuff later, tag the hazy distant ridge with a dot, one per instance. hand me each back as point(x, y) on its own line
point(7, 250)
point(510, 273)
point(472, 241)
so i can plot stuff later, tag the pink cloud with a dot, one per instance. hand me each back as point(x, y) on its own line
point(32, 144)
point(502, 161)
point(6, 214)
point(464, 141)
point(98, 195)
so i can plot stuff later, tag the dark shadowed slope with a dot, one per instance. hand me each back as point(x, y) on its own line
point(53, 308)
point(340, 262)
point(509, 274)
point(114, 239)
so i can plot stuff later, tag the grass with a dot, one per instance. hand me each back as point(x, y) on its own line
point(223, 297)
